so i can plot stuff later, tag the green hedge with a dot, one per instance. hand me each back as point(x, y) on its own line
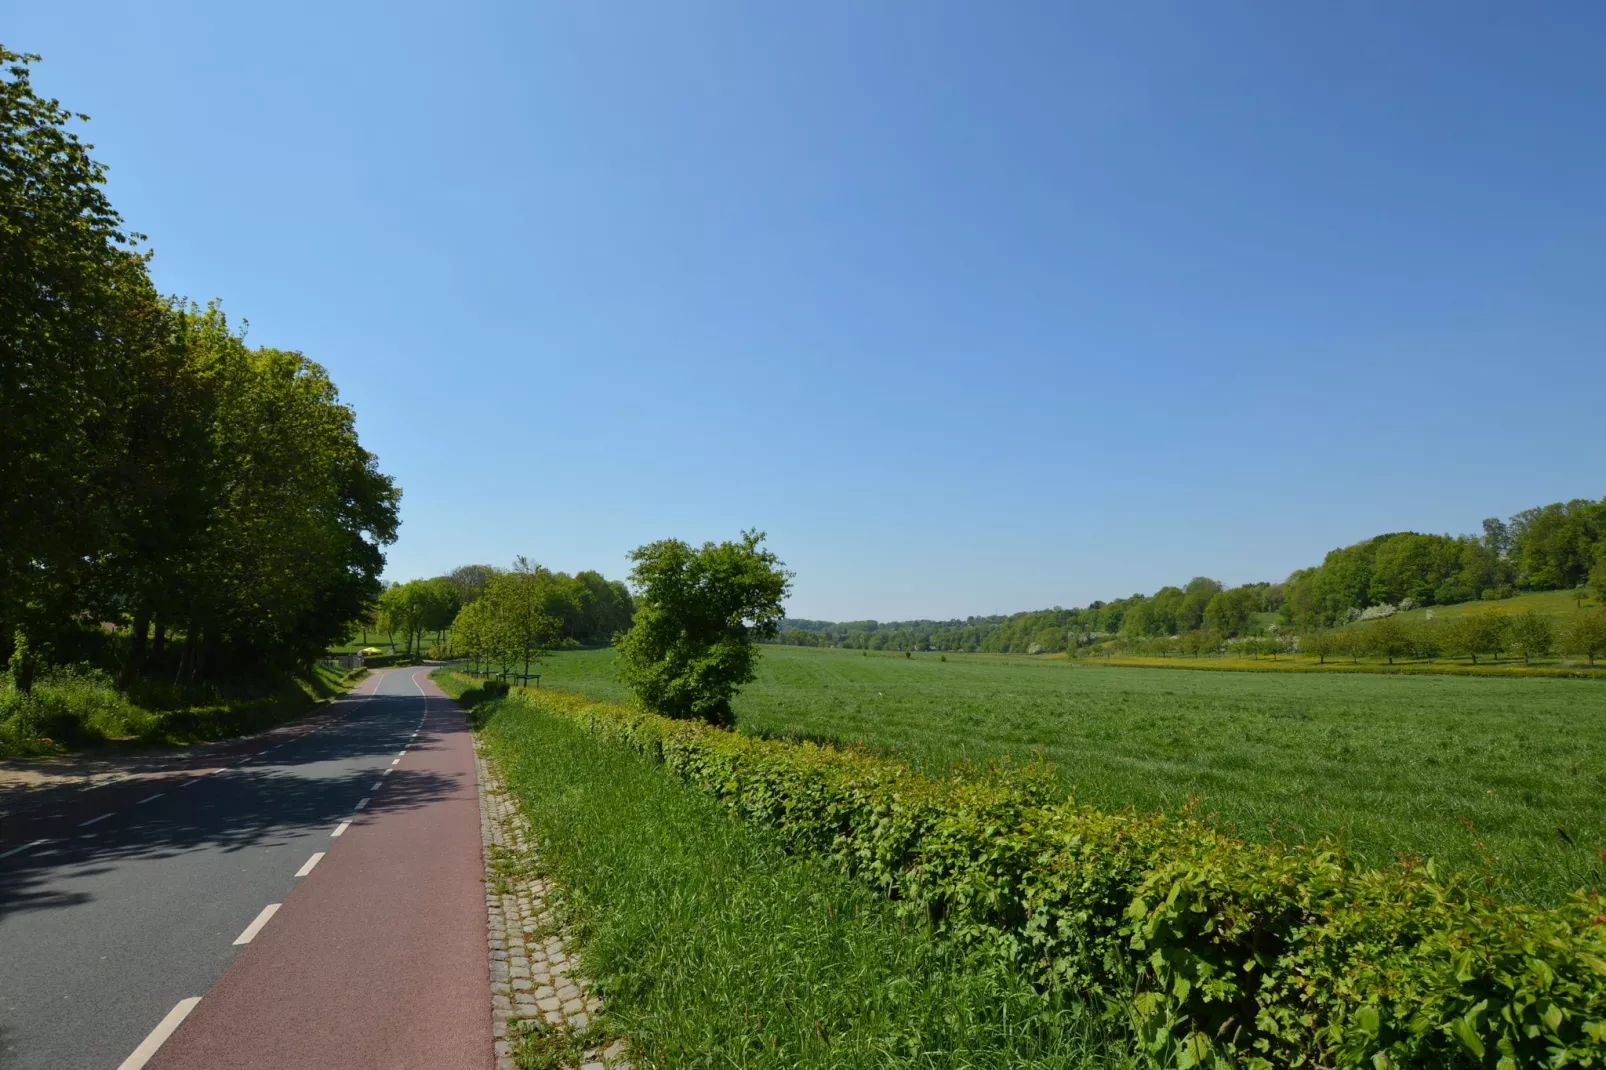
point(386, 661)
point(1224, 952)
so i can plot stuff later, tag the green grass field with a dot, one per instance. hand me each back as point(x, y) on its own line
point(1390, 764)
point(1557, 605)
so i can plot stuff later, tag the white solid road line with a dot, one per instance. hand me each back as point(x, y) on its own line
point(307, 867)
point(159, 1035)
point(256, 926)
point(363, 802)
point(342, 827)
point(24, 847)
point(93, 820)
point(150, 798)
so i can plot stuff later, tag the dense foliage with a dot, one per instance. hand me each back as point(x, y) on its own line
point(1222, 952)
point(1561, 546)
point(555, 609)
point(156, 473)
point(701, 610)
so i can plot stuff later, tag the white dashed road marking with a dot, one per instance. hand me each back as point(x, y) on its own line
point(159, 1035)
point(307, 866)
point(93, 820)
point(340, 828)
point(150, 798)
point(256, 926)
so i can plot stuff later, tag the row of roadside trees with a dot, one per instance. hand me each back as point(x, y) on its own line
point(173, 502)
point(687, 649)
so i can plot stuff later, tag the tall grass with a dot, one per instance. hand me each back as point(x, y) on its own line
point(714, 948)
point(65, 707)
point(76, 706)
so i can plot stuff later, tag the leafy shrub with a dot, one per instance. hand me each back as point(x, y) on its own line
point(66, 706)
point(1223, 952)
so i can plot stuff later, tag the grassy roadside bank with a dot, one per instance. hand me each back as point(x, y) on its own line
point(714, 947)
point(73, 709)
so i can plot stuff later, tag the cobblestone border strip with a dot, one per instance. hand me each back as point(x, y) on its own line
point(535, 987)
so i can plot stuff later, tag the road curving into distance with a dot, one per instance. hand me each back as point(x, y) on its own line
point(315, 899)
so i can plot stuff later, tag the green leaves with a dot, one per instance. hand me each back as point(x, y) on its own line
point(700, 610)
point(152, 466)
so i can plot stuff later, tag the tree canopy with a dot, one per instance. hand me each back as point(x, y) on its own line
point(700, 611)
point(156, 472)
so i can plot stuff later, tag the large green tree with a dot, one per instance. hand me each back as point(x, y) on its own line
point(76, 310)
point(155, 472)
point(699, 611)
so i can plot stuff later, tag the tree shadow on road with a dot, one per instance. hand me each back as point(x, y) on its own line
point(260, 804)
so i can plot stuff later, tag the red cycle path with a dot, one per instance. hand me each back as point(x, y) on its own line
point(378, 958)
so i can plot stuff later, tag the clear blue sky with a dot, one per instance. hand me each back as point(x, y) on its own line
point(974, 307)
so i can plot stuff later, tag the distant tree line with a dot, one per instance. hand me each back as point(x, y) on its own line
point(171, 499)
point(555, 609)
point(1488, 635)
point(1561, 546)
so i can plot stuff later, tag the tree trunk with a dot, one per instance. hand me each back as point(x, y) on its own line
point(136, 650)
point(211, 643)
point(186, 657)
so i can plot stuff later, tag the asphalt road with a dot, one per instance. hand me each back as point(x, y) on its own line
point(147, 894)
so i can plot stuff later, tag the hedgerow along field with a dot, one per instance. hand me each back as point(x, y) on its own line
point(719, 947)
point(1503, 778)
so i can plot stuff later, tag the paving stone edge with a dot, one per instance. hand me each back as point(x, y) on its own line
point(534, 978)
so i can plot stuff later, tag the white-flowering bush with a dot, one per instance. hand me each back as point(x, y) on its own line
point(1378, 612)
point(1407, 604)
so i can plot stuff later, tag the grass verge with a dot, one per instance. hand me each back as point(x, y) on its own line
point(75, 707)
point(714, 947)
